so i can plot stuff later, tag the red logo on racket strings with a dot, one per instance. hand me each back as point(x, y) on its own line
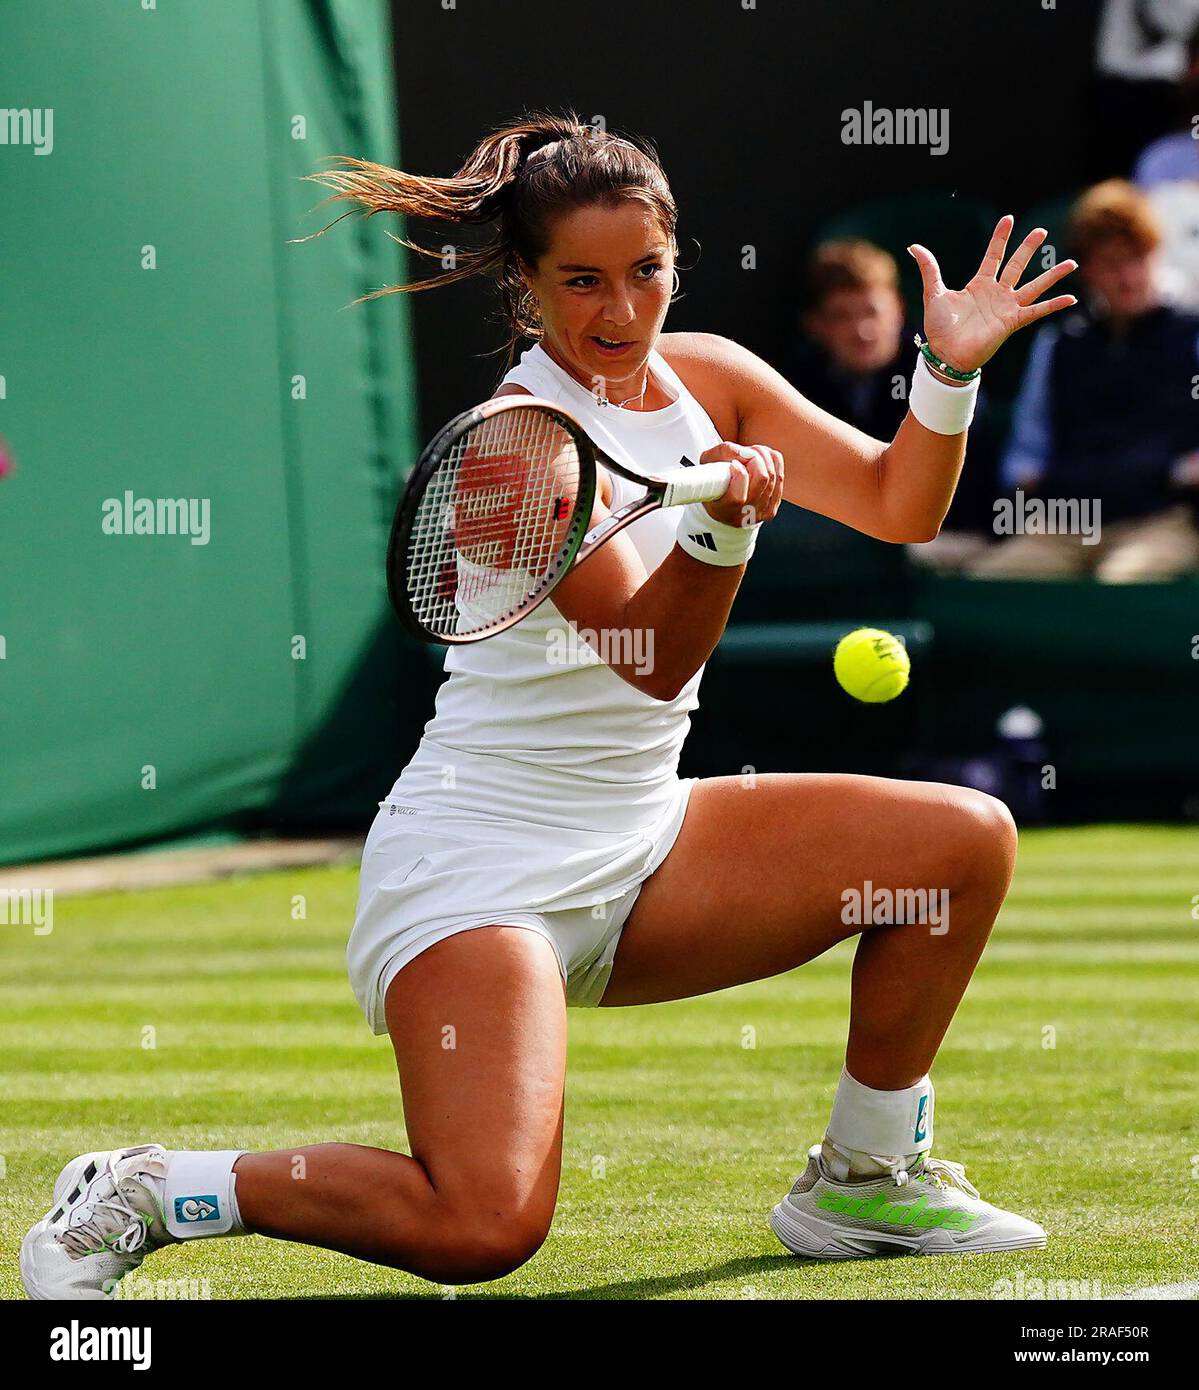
point(498, 498)
point(447, 581)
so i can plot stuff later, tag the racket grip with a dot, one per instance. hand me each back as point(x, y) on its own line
point(703, 483)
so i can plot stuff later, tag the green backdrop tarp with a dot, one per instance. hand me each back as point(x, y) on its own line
point(159, 338)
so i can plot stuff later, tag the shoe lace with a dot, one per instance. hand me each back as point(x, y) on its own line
point(940, 1171)
point(947, 1174)
point(111, 1224)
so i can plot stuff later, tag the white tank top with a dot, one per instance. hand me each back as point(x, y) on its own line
point(527, 726)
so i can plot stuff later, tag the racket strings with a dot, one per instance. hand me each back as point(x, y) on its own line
point(493, 522)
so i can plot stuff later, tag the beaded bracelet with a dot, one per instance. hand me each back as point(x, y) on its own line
point(943, 367)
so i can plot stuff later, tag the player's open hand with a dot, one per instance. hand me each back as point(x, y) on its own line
point(755, 490)
point(966, 327)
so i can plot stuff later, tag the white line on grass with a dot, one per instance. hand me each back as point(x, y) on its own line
point(1189, 1289)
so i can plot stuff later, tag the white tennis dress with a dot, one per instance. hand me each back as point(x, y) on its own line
point(545, 789)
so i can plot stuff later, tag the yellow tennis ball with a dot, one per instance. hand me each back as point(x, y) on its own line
point(871, 665)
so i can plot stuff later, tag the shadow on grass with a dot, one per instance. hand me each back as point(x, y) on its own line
point(745, 1268)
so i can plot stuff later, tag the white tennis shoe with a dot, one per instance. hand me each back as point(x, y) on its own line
point(929, 1209)
point(106, 1218)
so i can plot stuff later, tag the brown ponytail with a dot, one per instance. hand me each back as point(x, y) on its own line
point(518, 179)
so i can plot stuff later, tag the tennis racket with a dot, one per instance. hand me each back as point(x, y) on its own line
point(496, 513)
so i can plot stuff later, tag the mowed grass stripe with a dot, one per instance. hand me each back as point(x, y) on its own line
point(1067, 1084)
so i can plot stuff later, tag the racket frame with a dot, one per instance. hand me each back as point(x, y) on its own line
point(432, 457)
point(711, 481)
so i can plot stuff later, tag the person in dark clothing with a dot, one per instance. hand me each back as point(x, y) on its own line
point(1105, 440)
point(853, 363)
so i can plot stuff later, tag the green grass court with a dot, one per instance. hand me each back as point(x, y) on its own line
point(685, 1122)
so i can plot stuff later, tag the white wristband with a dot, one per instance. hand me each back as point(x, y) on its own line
point(941, 408)
point(715, 543)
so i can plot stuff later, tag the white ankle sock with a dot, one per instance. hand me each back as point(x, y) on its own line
point(868, 1129)
point(200, 1193)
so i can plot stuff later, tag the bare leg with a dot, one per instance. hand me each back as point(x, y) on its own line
point(753, 886)
point(478, 1022)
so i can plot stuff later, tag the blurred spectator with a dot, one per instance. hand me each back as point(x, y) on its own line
point(1140, 55)
point(857, 364)
point(1105, 413)
point(1168, 171)
point(1175, 156)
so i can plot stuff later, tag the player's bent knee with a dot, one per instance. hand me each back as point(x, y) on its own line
point(470, 1239)
point(983, 851)
point(482, 1246)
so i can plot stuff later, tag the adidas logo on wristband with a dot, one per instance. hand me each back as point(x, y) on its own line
point(713, 542)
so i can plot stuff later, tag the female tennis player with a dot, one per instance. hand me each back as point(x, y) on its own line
point(540, 848)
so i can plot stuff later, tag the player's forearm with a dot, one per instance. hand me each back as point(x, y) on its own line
point(918, 474)
point(685, 605)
